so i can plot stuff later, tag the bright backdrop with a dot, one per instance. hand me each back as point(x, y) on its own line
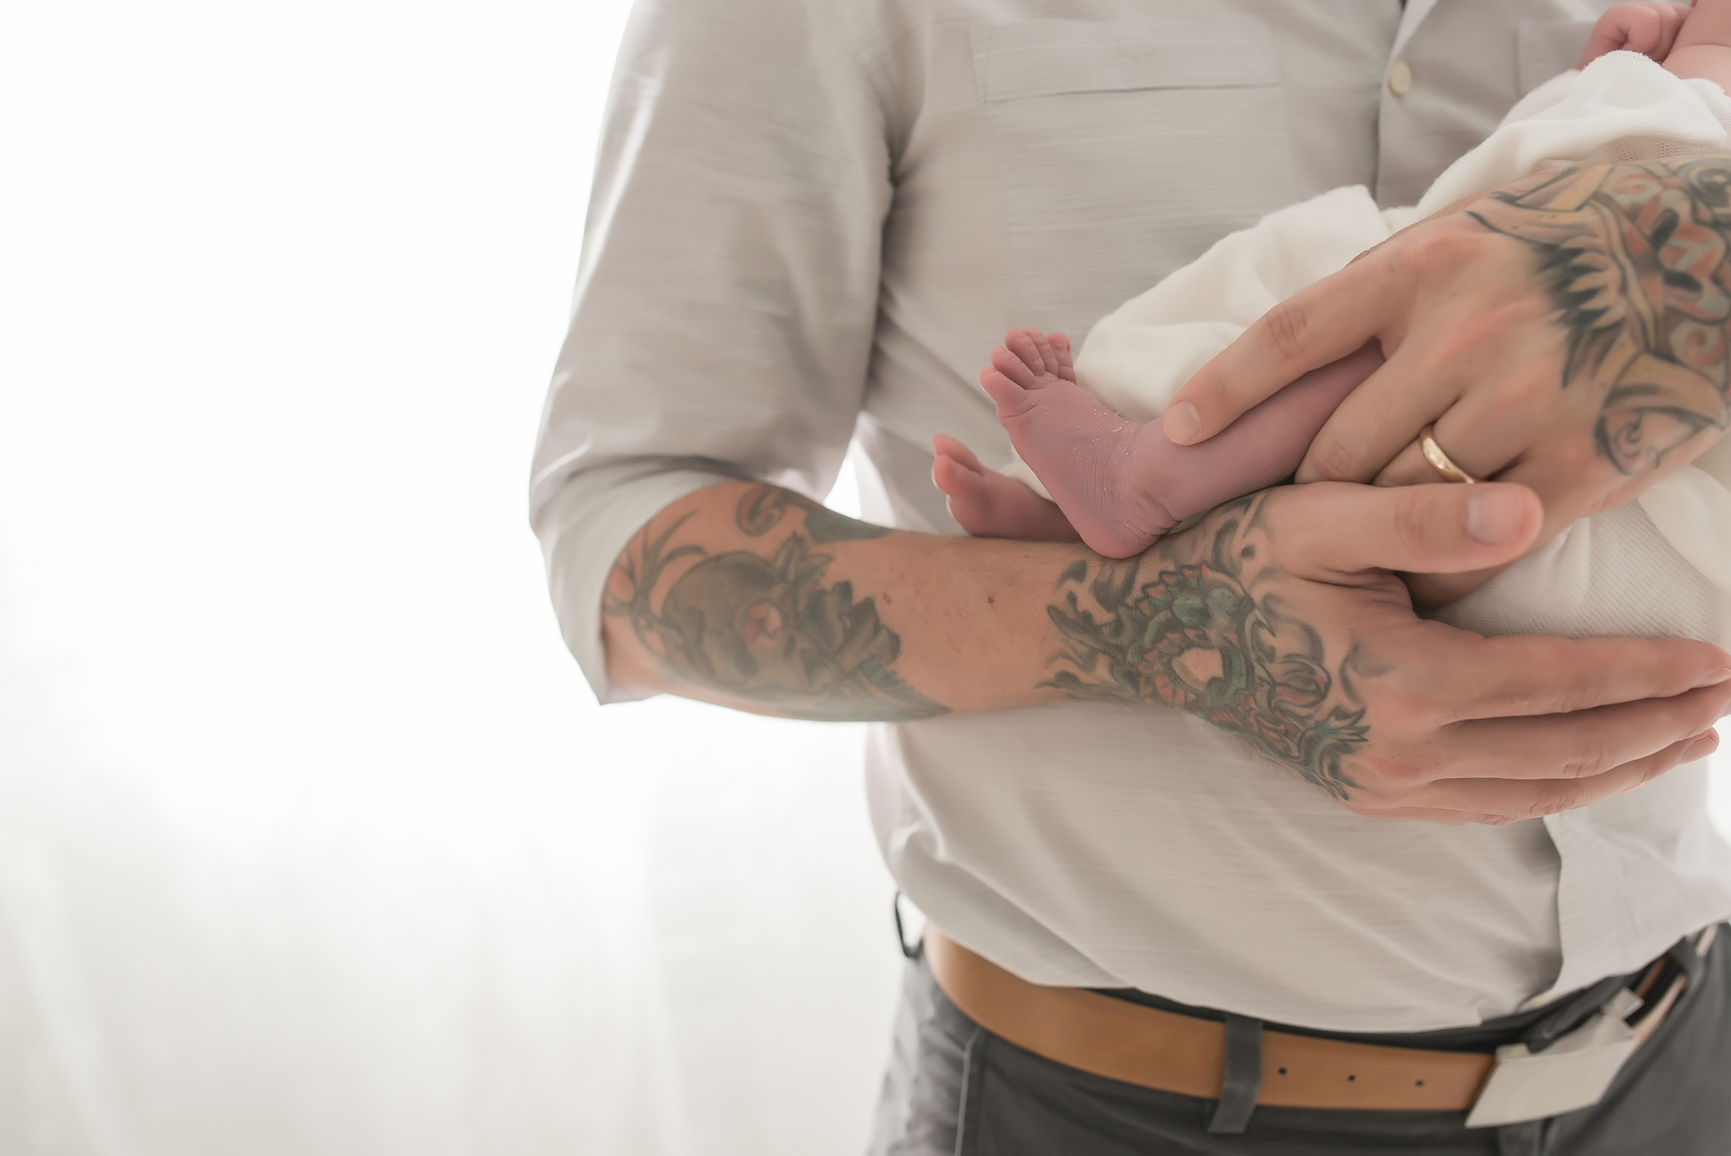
point(312, 841)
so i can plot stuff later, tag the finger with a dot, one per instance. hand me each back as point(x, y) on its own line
point(1570, 485)
point(1317, 325)
point(1482, 434)
point(1431, 529)
point(1581, 744)
point(1381, 416)
point(1534, 674)
point(1502, 799)
point(1464, 798)
point(1431, 591)
point(1411, 468)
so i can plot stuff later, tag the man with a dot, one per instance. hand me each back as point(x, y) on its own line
point(810, 218)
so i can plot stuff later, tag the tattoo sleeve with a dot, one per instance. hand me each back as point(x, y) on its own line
point(767, 626)
point(1203, 635)
point(759, 598)
point(1637, 262)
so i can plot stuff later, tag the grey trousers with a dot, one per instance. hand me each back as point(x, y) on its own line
point(954, 1089)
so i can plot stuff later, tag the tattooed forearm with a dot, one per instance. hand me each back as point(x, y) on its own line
point(1196, 635)
point(1637, 258)
point(766, 629)
point(762, 507)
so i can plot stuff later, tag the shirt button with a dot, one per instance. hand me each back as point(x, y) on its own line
point(1400, 78)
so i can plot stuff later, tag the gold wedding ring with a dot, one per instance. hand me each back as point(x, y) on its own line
point(1444, 464)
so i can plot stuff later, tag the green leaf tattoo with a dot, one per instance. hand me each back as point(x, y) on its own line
point(1637, 260)
point(762, 507)
point(769, 629)
point(1194, 636)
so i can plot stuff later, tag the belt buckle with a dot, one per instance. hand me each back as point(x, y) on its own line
point(1572, 1073)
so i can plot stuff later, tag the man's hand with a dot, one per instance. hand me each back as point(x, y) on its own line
point(1278, 619)
point(1569, 332)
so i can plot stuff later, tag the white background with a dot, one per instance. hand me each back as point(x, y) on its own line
point(312, 842)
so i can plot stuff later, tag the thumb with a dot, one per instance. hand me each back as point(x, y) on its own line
point(1435, 529)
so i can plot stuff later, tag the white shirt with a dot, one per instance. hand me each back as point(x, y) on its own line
point(813, 218)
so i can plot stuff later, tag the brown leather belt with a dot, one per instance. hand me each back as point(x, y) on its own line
point(1185, 1054)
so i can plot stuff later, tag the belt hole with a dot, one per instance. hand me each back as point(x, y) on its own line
point(1418, 1083)
point(1282, 1071)
point(1350, 1079)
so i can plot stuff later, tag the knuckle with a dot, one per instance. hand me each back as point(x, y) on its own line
point(1413, 520)
point(1213, 393)
point(1475, 330)
point(1395, 706)
point(1573, 687)
point(1429, 250)
point(1532, 393)
point(1652, 768)
point(1334, 460)
point(1580, 696)
point(1583, 763)
point(1520, 696)
point(1572, 457)
point(1396, 778)
point(1284, 328)
point(1558, 797)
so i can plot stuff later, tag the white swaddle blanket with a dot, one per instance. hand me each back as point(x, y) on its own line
point(1658, 566)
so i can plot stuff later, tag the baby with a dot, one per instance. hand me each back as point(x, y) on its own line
point(1119, 484)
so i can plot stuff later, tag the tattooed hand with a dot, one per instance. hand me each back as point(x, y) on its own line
point(1569, 331)
point(1277, 619)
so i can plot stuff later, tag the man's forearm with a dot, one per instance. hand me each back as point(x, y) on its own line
point(1276, 619)
point(753, 597)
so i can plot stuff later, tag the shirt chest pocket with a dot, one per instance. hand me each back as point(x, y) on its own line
point(1124, 151)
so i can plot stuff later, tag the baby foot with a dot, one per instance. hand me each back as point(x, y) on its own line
point(989, 505)
point(1093, 462)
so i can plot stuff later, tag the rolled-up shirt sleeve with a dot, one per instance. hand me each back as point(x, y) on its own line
point(727, 286)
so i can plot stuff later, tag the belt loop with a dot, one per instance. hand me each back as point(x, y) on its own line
point(1571, 1014)
point(1242, 1079)
point(1690, 961)
point(918, 947)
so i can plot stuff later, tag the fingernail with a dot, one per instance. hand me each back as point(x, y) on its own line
point(1703, 746)
point(1495, 515)
point(1182, 423)
point(1712, 678)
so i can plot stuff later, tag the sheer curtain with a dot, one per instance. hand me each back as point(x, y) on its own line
point(312, 842)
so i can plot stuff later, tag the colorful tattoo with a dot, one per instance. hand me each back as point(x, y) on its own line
point(768, 629)
point(1199, 637)
point(1639, 265)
